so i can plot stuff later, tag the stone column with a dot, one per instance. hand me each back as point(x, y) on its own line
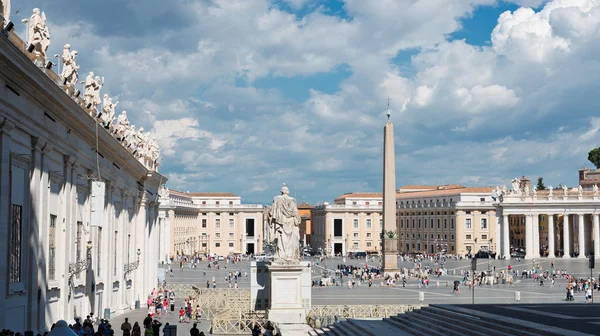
point(551, 252)
point(506, 237)
point(566, 237)
point(528, 237)
point(536, 235)
point(498, 237)
point(581, 236)
point(596, 221)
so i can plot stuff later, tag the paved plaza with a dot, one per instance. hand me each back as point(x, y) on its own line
point(530, 290)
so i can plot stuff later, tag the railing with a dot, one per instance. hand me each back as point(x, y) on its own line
point(190, 204)
point(321, 316)
point(240, 324)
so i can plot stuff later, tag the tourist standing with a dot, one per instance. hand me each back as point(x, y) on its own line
point(126, 327)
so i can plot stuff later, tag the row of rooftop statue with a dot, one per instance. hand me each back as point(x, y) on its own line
point(141, 144)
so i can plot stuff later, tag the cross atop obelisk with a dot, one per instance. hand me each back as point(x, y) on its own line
point(389, 234)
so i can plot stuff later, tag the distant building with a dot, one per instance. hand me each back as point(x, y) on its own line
point(445, 218)
point(352, 223)
point(588, 178)
point(305, 227)
point(210, 223)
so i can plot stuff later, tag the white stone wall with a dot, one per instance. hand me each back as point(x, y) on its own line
point(47, 148)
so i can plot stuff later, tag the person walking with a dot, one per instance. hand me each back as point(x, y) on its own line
point(194, 330)
point(126, 327)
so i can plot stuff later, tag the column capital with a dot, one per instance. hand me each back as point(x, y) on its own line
point(6, 126)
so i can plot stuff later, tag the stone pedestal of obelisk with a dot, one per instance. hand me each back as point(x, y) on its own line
point(390, 245)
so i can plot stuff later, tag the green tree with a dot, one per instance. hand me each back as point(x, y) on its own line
point(540, 184)
point(594, 157)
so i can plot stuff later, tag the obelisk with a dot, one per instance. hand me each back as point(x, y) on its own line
point(389, 243)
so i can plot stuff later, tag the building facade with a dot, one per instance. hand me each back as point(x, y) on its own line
point(208, 223)
point(551, 223)
point(77, 208)
point(352, 223)
point(305, 227)
point(450, 218)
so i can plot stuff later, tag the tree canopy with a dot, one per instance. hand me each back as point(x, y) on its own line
point(540, 184)
point(594, 157)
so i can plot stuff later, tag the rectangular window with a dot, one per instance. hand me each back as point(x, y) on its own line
point(438, 223)
point(15, 243)
point(484, 237)
point(368, 223)
point(468, 223)
point(368, 234)
point(355, 244)
point(99, 252)
point(203, 244)
point(230, 244)
point(217, 244)
point(231, 235)
point(355, 235)
point(218, 234)
point(402, 223)
point(369, 244)
point(445, 223)
point(419, 223)
point(52, 248)
point(468, 237)
point(337, 227)
point(380, 223)
point(115, 253)
point(250, 227)
point(355, 223)
point(451, 223)
point(218, 223)
point(484, 223)
point(231, 214)
point(231, 223)
point(413, 223)
point(431, 222)
point(217, 203)
point(204, 223)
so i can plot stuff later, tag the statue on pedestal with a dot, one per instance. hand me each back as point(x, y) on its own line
point(285, 219)
point(70, 73)
point(565, 190)
point(108, 111)
point(550, 190)
point(595, 189)
point(121, 126)
point(98, 84)
point(516, 189)
point(39, 36)
point(580, 190)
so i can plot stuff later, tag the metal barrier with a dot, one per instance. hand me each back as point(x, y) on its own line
point(321, 316)
point(236, 323)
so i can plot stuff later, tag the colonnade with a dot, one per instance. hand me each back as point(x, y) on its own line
point(580, 235)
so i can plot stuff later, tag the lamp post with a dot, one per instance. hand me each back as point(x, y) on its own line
point(130, 267)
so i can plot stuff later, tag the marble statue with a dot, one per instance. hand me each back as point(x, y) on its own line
point(98, 84)
point(268, 228)
point(129, 138)
point(504, 190)
point(526, 190)
point(595, 189)
point(88, 91)
point(534, 191)
point(515, 186)
point(70, 73)
point(163, 192)
point(565, 190)
point(285, 219)
point(108, 111)
point(39, 36)
point(121, 126)
point(580, 190)
point(550, 190)
point(5, 9)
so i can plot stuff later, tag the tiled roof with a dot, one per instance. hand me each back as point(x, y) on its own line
point(203, 194)
point(305, 205)
point(424, 187)
point(443, 192)
point(360, 195)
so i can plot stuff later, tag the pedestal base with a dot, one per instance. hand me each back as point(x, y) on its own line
point(390, 263)
point(288, 305)
point(294, 329)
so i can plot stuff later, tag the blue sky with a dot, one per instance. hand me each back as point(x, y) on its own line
point(244, 95)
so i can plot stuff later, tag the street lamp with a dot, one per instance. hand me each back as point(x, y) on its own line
point(130, 267)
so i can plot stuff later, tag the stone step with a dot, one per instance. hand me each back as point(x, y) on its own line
point(375, 327)
point(494, 321)
point(474, 326)
point(434, 325)
point(342, 329)
point(409, 326)
point(475, 323)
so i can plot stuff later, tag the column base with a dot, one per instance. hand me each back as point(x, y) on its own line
point(566, 256)
point(581, 257)
point(551, 256)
